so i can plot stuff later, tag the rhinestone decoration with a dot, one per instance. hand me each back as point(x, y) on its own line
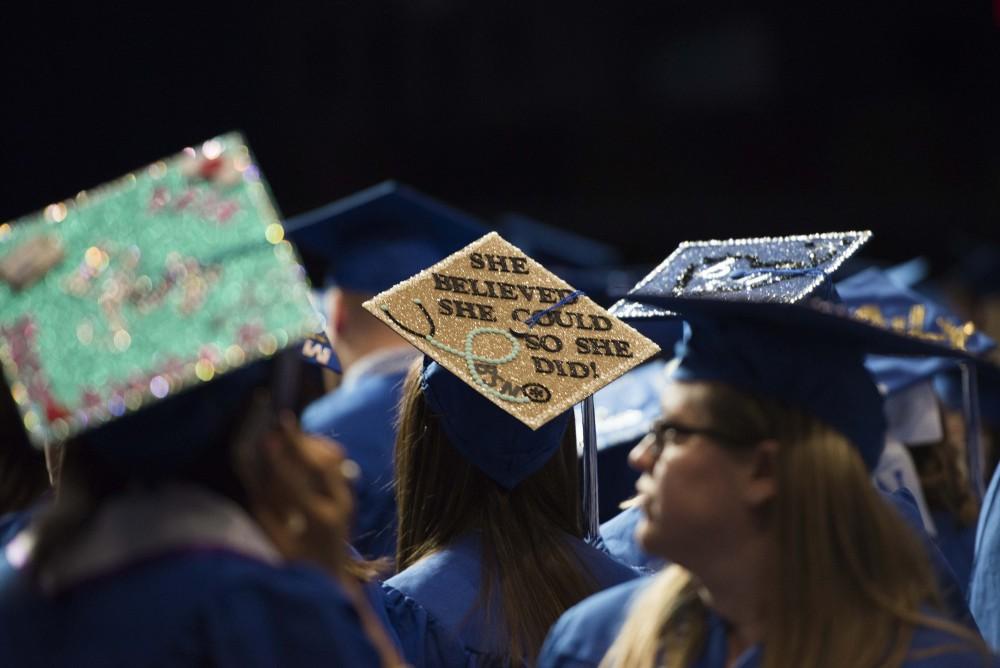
point(769, 269)
point(169, 276)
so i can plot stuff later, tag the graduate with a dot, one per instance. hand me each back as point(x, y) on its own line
point(491, 547)
point(195, 524)
point(931, 462)
point(756, 486)
point(358, 246)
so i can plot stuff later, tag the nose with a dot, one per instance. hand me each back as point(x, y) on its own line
point(643, 456)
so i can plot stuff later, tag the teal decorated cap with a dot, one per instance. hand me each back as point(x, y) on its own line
point(127, 295)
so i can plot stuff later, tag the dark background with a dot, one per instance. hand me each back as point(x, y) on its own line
point(641, 124)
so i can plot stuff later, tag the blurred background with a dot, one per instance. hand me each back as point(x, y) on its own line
point(638, 124)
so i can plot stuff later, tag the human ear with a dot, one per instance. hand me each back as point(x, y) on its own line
point(762, 481)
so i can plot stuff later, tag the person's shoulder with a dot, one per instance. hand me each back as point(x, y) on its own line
point(338, 409)
point(620, 542)
point(604, 567)
point(448, 571)
point(583, 634)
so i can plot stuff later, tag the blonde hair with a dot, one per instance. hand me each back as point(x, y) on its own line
point(850, 568)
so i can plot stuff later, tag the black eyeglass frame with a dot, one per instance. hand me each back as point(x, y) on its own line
point(664, 431)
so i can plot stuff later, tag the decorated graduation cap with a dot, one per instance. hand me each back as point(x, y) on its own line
point(371, 240)
point(510, 349)
point(163, 288)
point(873, 295)
point(762, 315)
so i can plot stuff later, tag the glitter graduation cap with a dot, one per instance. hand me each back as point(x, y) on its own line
point(511, 348)
point(142, 288)
point(371, 240)
point(761, 314)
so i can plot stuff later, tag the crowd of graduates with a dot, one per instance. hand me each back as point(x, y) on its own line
point(803, 475)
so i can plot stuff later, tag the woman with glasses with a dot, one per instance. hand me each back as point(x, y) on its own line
point(756, 487)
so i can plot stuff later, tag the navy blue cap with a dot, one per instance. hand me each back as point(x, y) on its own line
point(873, 295)
point(761, 315)
point(171, 434)
point(494, 441)
point(371, 240)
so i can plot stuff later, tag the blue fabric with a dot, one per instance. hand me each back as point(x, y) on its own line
point(953, 590)
point(582, 636)
point(778, 362)
point(362, 418)
point(584, 633)
point(620, 542)
point(873, 295)
point(434, 605)
point(624, 410)
point(184, 609)
point(984, 587)
point(371, 240)
point(957, 544)
point(493, 440)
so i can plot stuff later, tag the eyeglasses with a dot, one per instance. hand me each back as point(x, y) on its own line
point(663, 432)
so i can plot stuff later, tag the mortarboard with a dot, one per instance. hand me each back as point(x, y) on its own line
point(762, 315)
point(875, 296)
point(135, 312)
point(510, 349)
point(371, 240)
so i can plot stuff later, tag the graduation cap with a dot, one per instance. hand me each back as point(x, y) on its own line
point(762, 315)
point(908, 382)
point(590, 265)
point(510, 349)
point(371, 240)
point(133, 312)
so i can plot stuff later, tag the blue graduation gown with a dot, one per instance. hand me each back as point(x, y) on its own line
point(433, 605)
point(957, 544)
point(227, 602)
point(584, 633)
point(361, 416)
point(984, 587)
point(619, 541)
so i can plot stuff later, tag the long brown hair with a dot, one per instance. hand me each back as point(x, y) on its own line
point(847, 566)
point(529, 570)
